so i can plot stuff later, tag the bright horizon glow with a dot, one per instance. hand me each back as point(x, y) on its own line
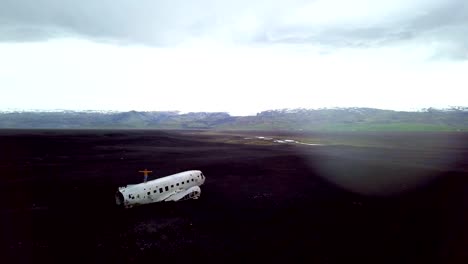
point(76, 74)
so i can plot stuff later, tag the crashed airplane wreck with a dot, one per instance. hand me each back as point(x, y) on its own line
point(176, 187)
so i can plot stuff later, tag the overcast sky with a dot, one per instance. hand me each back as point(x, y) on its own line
point(240, 56)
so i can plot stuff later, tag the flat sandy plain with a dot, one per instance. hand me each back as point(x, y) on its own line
point(354, 198)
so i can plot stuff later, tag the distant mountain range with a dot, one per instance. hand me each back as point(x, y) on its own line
point(330, 119)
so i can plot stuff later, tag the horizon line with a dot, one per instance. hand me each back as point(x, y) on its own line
point(424, 109)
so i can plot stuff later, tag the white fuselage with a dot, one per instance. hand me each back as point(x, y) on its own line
point(180, 186)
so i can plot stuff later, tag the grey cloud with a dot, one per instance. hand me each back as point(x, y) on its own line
point(169, 22)
point(25, 33)
point(144, 21)
point(340, 37)
point(149, 22)
point(446, 25)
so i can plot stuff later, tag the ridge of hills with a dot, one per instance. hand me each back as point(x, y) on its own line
point(327, 119)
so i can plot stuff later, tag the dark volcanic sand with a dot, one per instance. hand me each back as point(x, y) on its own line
point(402, 200)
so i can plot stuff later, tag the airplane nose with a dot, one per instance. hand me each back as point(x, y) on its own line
point(203, 178)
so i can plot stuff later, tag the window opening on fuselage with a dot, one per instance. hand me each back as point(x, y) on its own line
point(160, 190)
point(166, 188)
